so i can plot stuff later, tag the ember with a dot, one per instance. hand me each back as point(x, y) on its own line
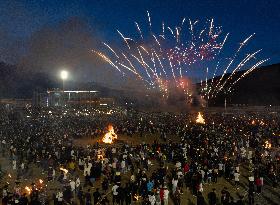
point(110, 135)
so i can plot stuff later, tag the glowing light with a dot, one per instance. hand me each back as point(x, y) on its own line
point(110, 135)
point(64, 170)
point(137, 197)
point(162, 60)
point(27, 189)
point(64, 74)
point(200, 119)
point(267, 145)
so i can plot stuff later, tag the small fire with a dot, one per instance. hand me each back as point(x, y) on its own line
point(41, 181)
point(110, 135)
point(28, 189)
point(64, 170)
point(100, 157)
point(267, 145)
point(200, 119)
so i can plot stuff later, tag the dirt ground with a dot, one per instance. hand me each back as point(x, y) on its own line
point(269, 195)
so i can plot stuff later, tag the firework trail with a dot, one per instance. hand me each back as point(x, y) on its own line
point(164, 60)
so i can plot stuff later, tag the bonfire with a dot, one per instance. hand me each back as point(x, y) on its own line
point(110, 135)
point(200, 119)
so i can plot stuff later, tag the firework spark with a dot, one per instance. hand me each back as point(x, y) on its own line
point(163, 60)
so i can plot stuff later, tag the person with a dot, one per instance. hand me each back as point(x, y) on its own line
point(96, 196)
point(115, 193)
point(121, 195)
point(212, 197)
point(259, 185)
point(88, 197)
point(59, 197)
point(80, 195)
point(23, 199)
point(128, 194)
point(177, 196)
point(225, 196)
point(200, 199)
point(251, 199)
point(236, 178)
point(165, 195)
point(240, 201)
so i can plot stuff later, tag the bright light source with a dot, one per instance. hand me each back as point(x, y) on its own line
point(64, 74)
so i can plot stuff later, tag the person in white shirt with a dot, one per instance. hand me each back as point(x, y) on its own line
point(221, 169)
point(72, 185)
point(165, 196)
point(152, 199)
point(174, 185)
point(115, 193)
point(77, 183)
point(14, 164)
point(123, 166)
point(59, 197)
point(236, 178)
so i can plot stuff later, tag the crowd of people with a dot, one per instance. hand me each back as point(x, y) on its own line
point(241, 148)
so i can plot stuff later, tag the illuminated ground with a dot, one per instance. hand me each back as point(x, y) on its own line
point(269, 196)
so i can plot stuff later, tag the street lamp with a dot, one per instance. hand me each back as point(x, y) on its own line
point(64, 76)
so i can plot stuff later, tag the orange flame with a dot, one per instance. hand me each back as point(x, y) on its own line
point(28, 189)
point(267, 145)
point(110, 135)
point(200, 119)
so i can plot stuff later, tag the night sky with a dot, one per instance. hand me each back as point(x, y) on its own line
point(21, 20)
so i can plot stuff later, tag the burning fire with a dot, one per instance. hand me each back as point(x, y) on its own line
point(200, 119)
point(28, 189)
point(110, 135)
point(267, 145)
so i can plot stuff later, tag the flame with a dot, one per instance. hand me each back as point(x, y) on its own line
point(28, 189)
point(41, 181)
point(64, 170)
point(100, 157)
point(267, 145)
point(110, 135)
point(200, 119)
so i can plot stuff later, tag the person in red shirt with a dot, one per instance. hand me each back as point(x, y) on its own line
point(259, 183)
point(186, 168)
point(161, 194)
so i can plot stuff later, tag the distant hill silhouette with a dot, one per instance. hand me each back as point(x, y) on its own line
point(261, 87)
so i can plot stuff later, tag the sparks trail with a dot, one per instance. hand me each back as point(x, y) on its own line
point(162, 61)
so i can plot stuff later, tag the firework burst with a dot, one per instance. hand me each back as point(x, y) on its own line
point(165, 60)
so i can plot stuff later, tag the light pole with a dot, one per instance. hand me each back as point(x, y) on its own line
point(64, 76)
